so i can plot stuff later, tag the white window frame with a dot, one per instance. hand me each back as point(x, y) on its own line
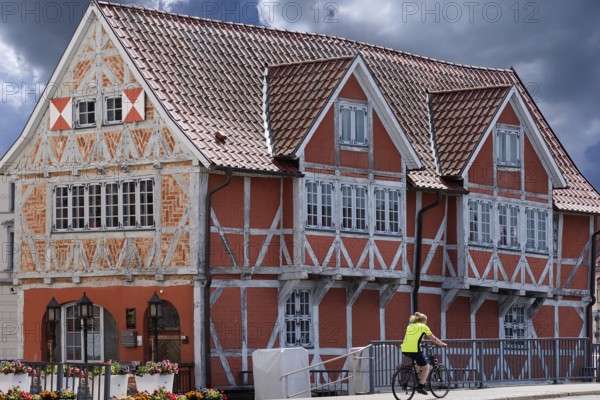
point(515, 323)
point(512, 225)
point(78, 113)
point(555, 227)
point(93, 334)
point(478, 234)
point(504, 153)
point(385, 225)
point(353, 108)
point(321, 205)
point(114, 109)
point(356, 205)
point(11, 197)
point(105, 205)
point(298, 314)
point(10, 249)
point(536, 237)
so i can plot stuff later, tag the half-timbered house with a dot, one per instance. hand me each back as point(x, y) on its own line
point(287, 189)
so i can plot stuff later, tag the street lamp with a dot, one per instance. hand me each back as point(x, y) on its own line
point(86, 311)
point(155, 311)
point(52, 318)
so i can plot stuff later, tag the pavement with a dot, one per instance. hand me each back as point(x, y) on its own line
point(525, 392)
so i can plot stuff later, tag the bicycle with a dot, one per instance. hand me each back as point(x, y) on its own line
point(406, 379)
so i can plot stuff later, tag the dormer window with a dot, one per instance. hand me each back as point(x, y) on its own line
point(508, 147)
point(353, 124)
point(86, 113)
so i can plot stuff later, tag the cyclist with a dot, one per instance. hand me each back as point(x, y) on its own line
point(411, 346)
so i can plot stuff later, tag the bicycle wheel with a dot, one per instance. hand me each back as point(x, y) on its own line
point(404, 384)
point(439, 381)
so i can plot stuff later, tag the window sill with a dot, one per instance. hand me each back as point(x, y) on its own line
point(78, 231)
point(108, 123)
point(508, 167)
point(388, 234)
point(482, 245)
point(511, 249)
point(539, 252)
point(355, 147)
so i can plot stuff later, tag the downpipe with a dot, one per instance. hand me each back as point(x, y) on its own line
point(418, 245)
point(208, 277)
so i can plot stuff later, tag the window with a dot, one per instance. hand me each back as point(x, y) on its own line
point(508, 221)
point(536, 229)
point(555, 234)
point(105, 205)
point(354, 207)
point(515, 324)
point(480, 217)
point(11, 197)
point(10, 256)
point(73, 335)
point(86, 113)
point(319, 204)
point(508, 147)
point(353, 125)
point(298, 319)
point(113, 110)
point(387, 210)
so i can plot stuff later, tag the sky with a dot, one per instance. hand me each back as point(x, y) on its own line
point(554, 45)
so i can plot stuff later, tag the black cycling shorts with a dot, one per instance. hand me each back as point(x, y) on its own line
point(419, 358)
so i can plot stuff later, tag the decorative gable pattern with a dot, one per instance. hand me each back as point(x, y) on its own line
point(134, 107)
point(61, 114)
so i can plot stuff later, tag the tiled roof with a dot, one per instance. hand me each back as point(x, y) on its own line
point(459, 119)
point(209, 77)
point(297, 92)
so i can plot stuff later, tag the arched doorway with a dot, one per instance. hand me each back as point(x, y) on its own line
point(169, 335)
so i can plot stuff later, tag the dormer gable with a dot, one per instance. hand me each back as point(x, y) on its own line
point(303, 94)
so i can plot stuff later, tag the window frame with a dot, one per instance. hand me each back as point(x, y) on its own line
point(512, 241)
point(298, 318)
point(354, 208)
point(320, 206)
point(539, 215)
point(78, 123)
point(479, 232)
point(503, 154)
point(353, 107)
point(11, 196)
point(10, 250)
point(514, 327)
point(106, 109)
point(387, 211)
point(92, 333)
point(113, 214)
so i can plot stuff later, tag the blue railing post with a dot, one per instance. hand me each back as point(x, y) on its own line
point(480, 366)
point(60, 371)
point(107, 372)
point(371, 368)
point(556, 361)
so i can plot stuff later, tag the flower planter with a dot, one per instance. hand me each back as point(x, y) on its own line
point(118, 386)
point(8, 381)
point(150, 383)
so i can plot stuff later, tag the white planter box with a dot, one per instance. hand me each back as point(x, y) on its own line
point(7, 382)
point(150, 383)
point(118, 386)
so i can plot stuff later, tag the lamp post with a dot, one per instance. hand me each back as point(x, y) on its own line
point(155, 311)
point(86, 311)
point(52, 318)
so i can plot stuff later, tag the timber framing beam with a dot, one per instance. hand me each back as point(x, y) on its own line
point(448, 298)
point(286, 290)
point(534, 307)
point(477, 299)
point(353, 290)
point(323, 286)
point(387, 293)
point(505, 304)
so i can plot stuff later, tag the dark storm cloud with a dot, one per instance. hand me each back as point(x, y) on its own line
point(554, 46)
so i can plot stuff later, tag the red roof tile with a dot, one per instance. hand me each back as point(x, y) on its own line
point(297, 93)
point(209, 76)
point(459, 119)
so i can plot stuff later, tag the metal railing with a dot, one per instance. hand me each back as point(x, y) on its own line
point(487, 362)
point(318, 386)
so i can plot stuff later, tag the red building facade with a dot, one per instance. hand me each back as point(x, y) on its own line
point(341, 177)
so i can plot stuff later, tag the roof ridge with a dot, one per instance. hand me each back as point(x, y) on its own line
point(470, 89)
point(318, 60)
point(371, 45)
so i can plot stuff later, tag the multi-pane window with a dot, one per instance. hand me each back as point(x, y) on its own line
point(480, 226)
point(319, 204)
point(537, 221)
point(508, 221)
point(387, 210)
point(11, 197)
point(73, 335)
point(86, 113)
point(113, 109)
point(555, 218)
point(508, 147)
point(104, 206)
point(10, 251)
point(353, 125)
point(298, 319)
point(515, 323)
point(354, 207)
